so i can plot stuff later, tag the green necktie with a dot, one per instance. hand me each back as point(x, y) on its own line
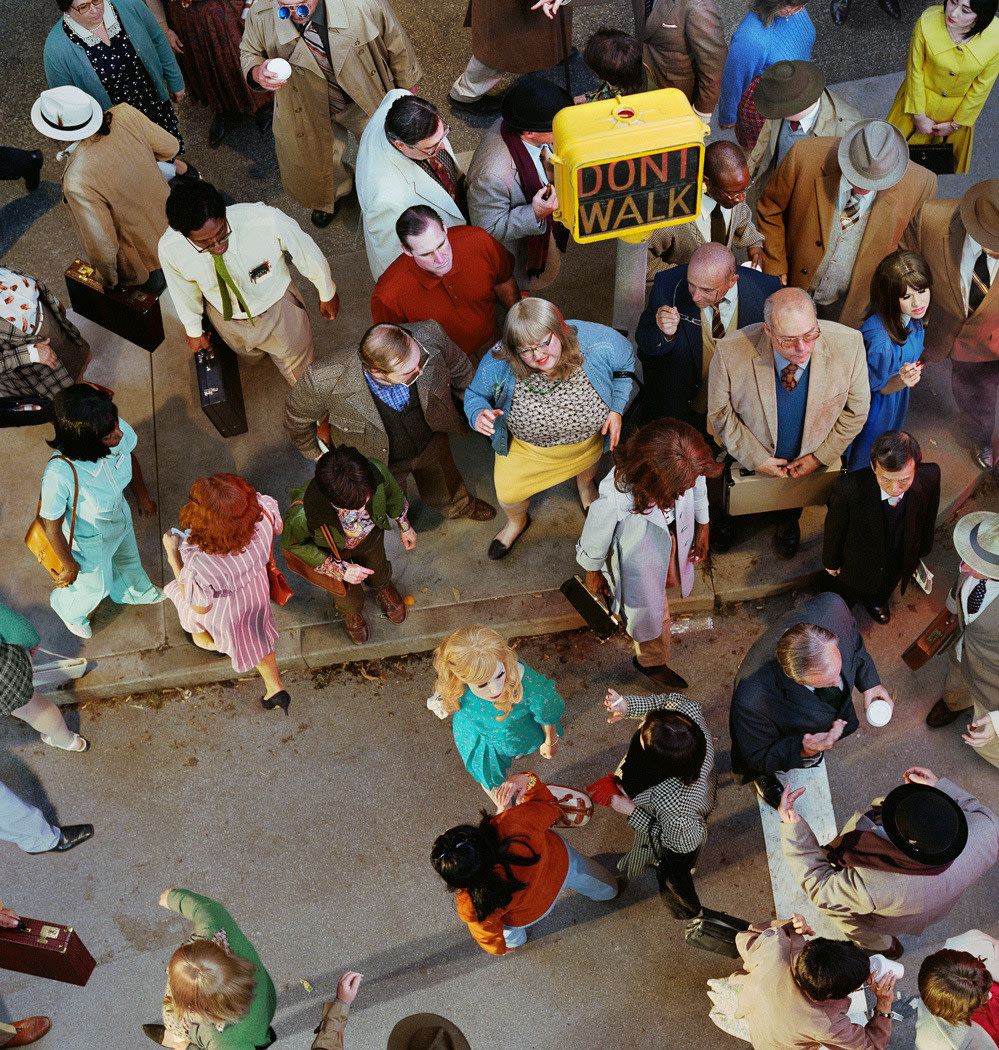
point(225, 283)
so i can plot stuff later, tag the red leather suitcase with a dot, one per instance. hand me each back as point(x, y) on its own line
point(46, 949)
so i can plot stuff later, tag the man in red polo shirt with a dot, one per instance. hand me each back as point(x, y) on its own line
point(451, 276)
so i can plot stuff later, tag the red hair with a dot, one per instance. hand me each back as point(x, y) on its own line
point(222, 513)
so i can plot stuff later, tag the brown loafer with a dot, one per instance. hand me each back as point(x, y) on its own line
point(896, 950)
point(941, 715)
point(28, 1030)
point(356, 627)
point(391, 602)
point(479, 510)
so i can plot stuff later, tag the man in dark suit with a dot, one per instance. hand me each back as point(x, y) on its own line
point(689, 309)
point(880, 523)
point(793, 696)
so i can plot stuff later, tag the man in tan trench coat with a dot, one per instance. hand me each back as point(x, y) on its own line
point(368, 53)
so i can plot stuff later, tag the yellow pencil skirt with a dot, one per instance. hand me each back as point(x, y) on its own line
point(528, 469)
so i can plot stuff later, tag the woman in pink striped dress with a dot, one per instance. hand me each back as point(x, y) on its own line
point(220, 587)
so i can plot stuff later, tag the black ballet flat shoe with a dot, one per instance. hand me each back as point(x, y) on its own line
point(155, 1032)
point(281, 700)
point(497, 550)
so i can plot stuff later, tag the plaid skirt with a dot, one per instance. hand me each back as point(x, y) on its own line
point(16, 687)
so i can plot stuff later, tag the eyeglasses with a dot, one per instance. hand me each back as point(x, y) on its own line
point(421, 364)
point(301, 11)
point(214, 244)
point(790, 342)
point(526, 351)
point(82, 9)
point(437, 146)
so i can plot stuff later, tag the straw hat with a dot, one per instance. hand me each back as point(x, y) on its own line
point(976, 538)
point(66, 113)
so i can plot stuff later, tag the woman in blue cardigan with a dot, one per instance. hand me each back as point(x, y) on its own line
point(116, 52)
point(547, 395)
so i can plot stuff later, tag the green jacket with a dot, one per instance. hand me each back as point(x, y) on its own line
point(252, 1031)
point(302, 523)
point(16, 630)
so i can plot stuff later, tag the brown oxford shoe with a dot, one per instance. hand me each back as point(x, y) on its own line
point(479, 510)
point(941, 715)
point(391, 603)
point(357, 628)
point(28, 1030)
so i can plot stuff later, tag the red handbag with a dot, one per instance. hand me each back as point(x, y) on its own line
point(280, 591)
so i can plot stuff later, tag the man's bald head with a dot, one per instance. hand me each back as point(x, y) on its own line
point(711, 272)
point(723, 157)
point(726, 173)
point(790, 320)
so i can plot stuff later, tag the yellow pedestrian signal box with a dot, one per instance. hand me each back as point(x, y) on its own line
point(629, 165)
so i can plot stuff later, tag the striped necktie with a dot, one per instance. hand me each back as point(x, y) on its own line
point(441, 168)
point(851, 212)
point(717, 328)
point(225, 283)
point(981, 281)
point(788, 379)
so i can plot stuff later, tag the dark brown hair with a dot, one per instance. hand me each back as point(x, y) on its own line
point(660, 461)
point(677, 741)
point(616, 57)
point(894, 276)
point(953, 985)
point(345, 477)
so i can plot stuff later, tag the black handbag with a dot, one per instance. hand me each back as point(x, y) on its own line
point(598, 617)
point(714, 931)
point(24, 411)
point(938, 157)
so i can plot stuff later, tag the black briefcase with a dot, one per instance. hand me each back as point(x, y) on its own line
point(132, 313)
point(601, 621)
point(220, 388)
point(715, 931)
point(938, 157)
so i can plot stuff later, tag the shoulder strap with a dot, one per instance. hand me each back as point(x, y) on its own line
point(76, 496)
point(324, 530)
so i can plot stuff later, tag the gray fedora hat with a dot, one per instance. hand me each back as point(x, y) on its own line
point(976, 540)
point(427, 1032)
point(787, 88)
point(980, 213)
point(873, 155)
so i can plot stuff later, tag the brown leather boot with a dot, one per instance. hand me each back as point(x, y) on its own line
point(356, 627)
point(391, 602)
point(28, 1030)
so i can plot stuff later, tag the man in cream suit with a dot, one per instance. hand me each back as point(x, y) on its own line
point(898, 868)
point(787, 396)
point(960, 242)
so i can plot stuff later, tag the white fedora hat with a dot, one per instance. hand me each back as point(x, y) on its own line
point(66, 113)
point(976, 539)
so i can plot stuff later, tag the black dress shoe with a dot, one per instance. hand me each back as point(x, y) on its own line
point(72, 835)
point(891, 8)
point(661, 674)
point(788, 537)
point(191, 173)
point(281, 700)
point(216, 133)
point(839, 9)
point(497, 550)
point(941, 715)
point(878, 613)
point(33, 175)
point(769, 788)
point(264, 118)
point(155, 1032)
point(486, 106)
point(155, 284)
point(322, 219)
point(721, 538)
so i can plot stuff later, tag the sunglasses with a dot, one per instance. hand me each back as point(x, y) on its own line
point(301, 11)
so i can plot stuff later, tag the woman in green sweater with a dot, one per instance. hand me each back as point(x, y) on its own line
point(18, 641)
point(218, 994)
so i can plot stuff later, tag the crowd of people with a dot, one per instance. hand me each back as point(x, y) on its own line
point(784, 328)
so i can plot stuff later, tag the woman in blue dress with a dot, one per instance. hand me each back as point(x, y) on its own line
point(502, 709)
point(893, 335)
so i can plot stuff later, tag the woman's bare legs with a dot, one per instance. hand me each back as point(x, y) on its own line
point(41, 714)
point(516, 521)
point(587, 489)
point(267, 669)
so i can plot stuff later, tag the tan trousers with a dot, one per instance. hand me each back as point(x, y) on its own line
point(283, 331)
point(351, 120)
point(7, 1032)
point(957, 696)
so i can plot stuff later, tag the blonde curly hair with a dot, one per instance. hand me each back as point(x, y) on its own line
point(469, 657)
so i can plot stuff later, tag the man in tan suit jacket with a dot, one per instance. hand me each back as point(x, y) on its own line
point(794, 99)
point(951, 236)
point(821, 406)
point(937, 841)
point(835, 208)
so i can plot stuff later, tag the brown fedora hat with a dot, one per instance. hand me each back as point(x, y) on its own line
point(980, 213)
point(787, 88)
point(873, 155)
point(427, 1032)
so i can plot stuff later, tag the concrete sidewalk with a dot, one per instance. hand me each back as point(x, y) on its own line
point(448, 575)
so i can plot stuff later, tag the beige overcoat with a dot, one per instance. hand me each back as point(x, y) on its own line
point(371, 54)
point(117, 196)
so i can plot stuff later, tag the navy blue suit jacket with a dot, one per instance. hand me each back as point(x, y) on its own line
point(672, 368)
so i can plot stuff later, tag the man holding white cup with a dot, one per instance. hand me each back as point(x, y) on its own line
point(343, 58)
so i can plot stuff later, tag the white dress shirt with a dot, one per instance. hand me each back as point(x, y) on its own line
point(726, 309)
point(260, 236)
point(703, 220)
point(969, 256)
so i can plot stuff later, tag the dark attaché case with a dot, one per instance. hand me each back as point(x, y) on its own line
point(938, 636)
point(714, 931)
point(132, 313)
point(220, 388)
point(46, 949)
point(598, 617)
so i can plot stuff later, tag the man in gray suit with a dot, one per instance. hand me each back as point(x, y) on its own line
point(394, 400)
point(510, 194)
point(898, 868)
point(973, 659)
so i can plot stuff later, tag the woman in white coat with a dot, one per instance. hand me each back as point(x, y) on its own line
point(646, 532)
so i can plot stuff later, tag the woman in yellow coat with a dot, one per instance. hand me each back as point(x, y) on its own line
point(953, 63)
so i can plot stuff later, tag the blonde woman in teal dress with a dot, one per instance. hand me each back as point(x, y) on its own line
point(502, 708)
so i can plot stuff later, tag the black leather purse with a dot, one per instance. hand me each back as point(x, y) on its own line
point(714, 931)
point(938, 157)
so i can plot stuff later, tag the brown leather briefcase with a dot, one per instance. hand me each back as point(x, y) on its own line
point(939, 635)
point(46, 949)
point(132, 313)
point(746, 492)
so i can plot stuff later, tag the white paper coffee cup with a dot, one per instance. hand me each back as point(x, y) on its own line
point(278, 68)
point(879, 712)
point(881, 966)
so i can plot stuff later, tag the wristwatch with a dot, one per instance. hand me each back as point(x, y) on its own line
point(881, 1013)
